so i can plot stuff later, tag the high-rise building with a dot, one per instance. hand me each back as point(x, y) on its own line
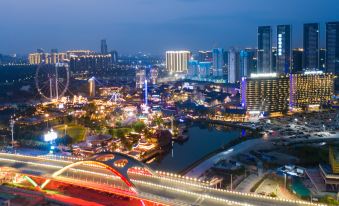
point(140, 77)
point(104, 49)
point(313, 88)
point(53, 58)
point(233, 66)
point(204, 69)
point(322, 59)
point(247, 62)
point(91, 87)
point(264, 49)
point(284, 48)
point(332, 47)
point(297, 60)
point(205, 56)
point(265, 93)
point(311, 46)
point(114, 55)
point(218, 62)
point(177, 61)
point(92, 62)
point(193, 68)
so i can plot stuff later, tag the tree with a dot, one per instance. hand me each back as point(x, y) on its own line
point(139, 126)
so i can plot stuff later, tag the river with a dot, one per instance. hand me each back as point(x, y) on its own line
point(203, 139)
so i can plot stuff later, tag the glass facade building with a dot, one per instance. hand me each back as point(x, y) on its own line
point(311, 46)
point(284, 48)
point(218, 62)
point(297, 60)
point(264, 49)
point(332, 47)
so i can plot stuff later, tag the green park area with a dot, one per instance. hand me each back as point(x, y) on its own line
point(76, 132)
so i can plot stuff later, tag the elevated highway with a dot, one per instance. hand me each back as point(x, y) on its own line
point(139, 182)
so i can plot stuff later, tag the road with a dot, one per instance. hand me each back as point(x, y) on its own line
point(163, 188)
point(237, 149)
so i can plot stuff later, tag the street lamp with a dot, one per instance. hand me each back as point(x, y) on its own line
point(46, 116)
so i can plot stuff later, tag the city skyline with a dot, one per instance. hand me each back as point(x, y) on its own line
point(130, 26)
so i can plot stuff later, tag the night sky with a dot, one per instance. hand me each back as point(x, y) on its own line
point(151, 25)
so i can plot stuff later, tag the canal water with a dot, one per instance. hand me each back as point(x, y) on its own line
point(203, 139)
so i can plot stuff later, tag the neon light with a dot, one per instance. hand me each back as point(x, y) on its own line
point(31, 181)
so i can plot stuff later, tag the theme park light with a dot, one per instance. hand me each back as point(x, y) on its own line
point(50, 136)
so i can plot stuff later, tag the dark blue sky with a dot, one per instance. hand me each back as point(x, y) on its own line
point(151, 25)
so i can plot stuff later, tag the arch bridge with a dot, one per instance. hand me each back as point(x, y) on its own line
point(116, 163)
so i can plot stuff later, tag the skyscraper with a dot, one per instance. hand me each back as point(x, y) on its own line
point(297, 60)
point(218, 62)
point(91, 87)
point(283, 48)
point(233, 66)
point(247, 63)
point(264, 49)
point(311, 46)
point(114, 55)
point(332, 47)
point(205, 56)
point(104, 47)
point(177, 61)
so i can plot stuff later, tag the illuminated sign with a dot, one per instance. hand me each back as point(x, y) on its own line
point(313, 72)
point(254, 75)
point(279, 44)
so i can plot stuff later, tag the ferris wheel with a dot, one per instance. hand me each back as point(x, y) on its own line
point(52, 80)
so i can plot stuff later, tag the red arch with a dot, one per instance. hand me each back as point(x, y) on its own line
point(111, 169)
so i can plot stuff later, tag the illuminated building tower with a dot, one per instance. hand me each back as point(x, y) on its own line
point(247, 64)
point(91, 84)
point(264, 49)
point(177, 61)
point(35, 58)
point(114, 55)
point(154, 75)
point(53, 58)
point(205, 56)
point(233, 66)
point(218, 62)
point(297, 60)
point(265, 93)
point(204, 70)
point(91, 62)
point(332, 47)
point(192, 69)
point(283, 49)
point(322, 59)
point(313, 88)
point(140, 78)
point(311, 46)
point(104, 47)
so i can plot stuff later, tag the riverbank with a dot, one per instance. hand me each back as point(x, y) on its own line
point(199, 170)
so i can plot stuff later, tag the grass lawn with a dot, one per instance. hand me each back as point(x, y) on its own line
point(77, 132)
